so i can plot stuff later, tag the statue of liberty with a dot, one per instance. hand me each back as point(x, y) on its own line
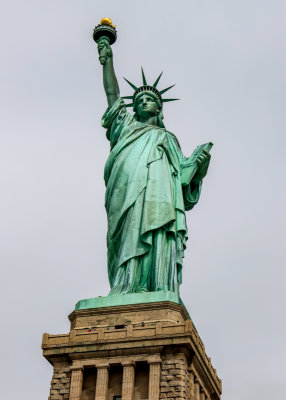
point(149, 186)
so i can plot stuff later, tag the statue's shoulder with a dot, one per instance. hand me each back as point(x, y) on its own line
point(116, 114)
point(173, 138)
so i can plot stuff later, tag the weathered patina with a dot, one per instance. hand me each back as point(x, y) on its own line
point(149, 186)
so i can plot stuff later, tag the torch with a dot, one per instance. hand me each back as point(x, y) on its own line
point(104, 31)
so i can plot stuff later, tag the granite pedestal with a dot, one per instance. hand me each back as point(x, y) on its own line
point(130, 351)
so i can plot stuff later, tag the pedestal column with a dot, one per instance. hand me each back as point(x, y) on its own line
point(203, 396)
point(102, 381)
point(76, 382)
point(197, 391)
point(192, 385)
point(128, 379)
point(154, 378)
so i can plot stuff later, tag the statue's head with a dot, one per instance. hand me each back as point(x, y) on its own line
point(147, 100)
point(147, 104)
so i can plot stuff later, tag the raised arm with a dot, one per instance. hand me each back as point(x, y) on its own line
point(109, 78)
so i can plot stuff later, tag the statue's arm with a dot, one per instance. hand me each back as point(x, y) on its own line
point(203, 161)
point(193, 170)
point(109, 78)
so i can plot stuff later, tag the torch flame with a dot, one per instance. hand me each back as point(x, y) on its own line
point(106, 21)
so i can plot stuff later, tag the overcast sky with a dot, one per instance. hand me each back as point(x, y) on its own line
point(228, 61)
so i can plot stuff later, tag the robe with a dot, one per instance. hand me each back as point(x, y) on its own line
point(147, 193)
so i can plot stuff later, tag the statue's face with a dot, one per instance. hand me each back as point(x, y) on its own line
point(146, 105)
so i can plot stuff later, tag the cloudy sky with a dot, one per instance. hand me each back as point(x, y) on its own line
point(228, 61)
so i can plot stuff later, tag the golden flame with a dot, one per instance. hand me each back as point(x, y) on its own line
point(106, 21)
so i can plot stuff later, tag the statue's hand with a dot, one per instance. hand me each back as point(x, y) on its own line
point(203, 161)
point(104, 51)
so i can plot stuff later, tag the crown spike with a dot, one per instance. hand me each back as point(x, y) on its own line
point(129, 105)
point(166, 100)
point(131, 84)
point(157, 80)
point(143, 77)
point(165, 90)
point(127, 97)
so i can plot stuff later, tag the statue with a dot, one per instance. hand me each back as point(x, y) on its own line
point(149, 184)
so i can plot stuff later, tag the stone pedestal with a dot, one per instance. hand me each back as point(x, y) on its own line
point(131, 352)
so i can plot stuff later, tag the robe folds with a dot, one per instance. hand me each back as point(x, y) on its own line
point(147, 193)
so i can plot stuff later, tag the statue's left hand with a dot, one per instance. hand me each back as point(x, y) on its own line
point(203, 161)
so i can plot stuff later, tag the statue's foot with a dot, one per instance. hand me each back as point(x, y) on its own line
point(142, 290)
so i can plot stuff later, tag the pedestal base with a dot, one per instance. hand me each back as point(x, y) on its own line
point(131, 351)
point(125, 299)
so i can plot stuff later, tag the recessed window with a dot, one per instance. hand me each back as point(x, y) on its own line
point(117, 398)
point(119, 327)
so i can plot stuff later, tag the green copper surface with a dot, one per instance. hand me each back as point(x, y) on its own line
point(149, 186)
point(125, 299)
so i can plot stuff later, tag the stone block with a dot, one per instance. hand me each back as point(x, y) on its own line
point(59, 375)
point(58, 386)
point(66, 370)
point(174, 371)
point(174, 383)
point(64, 391)
point(179, 377)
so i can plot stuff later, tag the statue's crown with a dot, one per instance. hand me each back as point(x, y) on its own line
point(147, 88)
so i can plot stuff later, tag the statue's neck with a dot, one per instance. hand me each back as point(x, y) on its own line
point(153, 120)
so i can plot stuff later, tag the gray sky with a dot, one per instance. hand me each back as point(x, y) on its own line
point(228, 61)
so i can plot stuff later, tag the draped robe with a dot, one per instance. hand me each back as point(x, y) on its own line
point(147, 193)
